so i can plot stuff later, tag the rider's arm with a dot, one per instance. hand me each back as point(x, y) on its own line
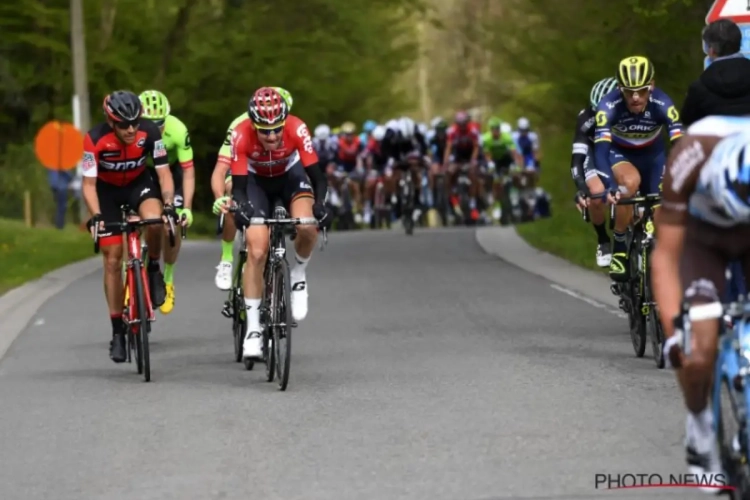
point(603, 144)
point(185, 157)
point(580, 152)
point(671, 117)
point(309, 159)
point(89, 167)
point(155, 146)
point(239, 166)
point(680, 178)
point(448, 147)
point(475, 150)
point(536, 148)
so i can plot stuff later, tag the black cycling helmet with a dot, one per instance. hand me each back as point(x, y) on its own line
point(122, 106)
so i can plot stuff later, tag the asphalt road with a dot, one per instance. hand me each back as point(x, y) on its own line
point(426, 369)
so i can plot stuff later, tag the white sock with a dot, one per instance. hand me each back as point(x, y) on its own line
point(702, 424)
point(297, 272)
point(252, 314)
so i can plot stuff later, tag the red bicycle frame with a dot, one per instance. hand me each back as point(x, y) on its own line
point(134, 253)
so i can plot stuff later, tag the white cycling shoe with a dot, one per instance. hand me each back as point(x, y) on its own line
point(252, 347)
point(299, 300)
point(223, 279)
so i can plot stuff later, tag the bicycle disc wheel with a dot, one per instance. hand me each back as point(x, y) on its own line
point(282, 332)
point(141, 337)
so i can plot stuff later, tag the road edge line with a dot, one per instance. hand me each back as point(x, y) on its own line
point(505, 243)
point(19, 305)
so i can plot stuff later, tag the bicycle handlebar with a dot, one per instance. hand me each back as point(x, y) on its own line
point(648, 200)
point(128, 226)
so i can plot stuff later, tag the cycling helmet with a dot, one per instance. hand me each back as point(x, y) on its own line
point(524, 124)
point(408, 127)
point(348, 128)
point(286, 95)
point(435, 122)
point(378, 133)
point(726, 176)
point(322, 132)
point(600, 89)
point(423, 128)
point(369, 126)
point(505, 128)
point(635, 72)
point(441, 125)
point(155, 105)
point(495, 122)
point(462, 118)
point(336, 130)
point(122, 106)
point(267, 107)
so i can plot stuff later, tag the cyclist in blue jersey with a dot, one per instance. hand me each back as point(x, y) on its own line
point(527, 143)
point(367, 129)
point(629, 150)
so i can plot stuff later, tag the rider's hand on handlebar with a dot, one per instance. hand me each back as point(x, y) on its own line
point(582, 200)
point(169, 213)
point(221, 205)
point(613, 196)
point(323, 214)
point(94, 221)
point(244, 213)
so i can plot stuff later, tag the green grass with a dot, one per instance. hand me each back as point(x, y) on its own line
point(565, 234)
point(28, 253)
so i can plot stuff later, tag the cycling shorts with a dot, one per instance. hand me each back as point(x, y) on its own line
point(649, 162)
point(112, 197)
point(707, 252)
point(263, 192)
point(176, 170)
point(461, 156)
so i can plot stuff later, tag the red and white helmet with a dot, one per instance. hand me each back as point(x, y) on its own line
point(267, 107)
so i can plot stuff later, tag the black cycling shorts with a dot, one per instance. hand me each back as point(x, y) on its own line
point(112, 197)
point(176, 170)
point(263, 191)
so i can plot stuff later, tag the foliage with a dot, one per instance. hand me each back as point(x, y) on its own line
point(336, 57)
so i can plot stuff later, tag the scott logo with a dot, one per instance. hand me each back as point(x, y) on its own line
point(304, 134)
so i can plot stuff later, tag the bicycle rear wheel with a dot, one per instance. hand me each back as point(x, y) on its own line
point(282, 330)
point(141, 334)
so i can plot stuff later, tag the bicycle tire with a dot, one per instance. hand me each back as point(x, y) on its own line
point(282, 331)
point(238, 311)
point(141, 338)
point(269, 353)
point(731, 461)
point(638, 327)
point(653, 325)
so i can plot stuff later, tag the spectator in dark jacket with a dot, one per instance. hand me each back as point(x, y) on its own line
point(724, 87)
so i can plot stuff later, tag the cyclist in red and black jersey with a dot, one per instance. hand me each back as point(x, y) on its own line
point(272, 156)
point(462, 148)
point(114, 174)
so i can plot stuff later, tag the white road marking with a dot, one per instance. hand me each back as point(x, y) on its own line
point(589, 301)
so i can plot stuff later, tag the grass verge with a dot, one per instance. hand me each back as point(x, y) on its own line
point(565, 234)
point(28, 253)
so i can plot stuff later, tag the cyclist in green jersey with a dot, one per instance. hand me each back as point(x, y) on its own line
point(221, 185)
point(501, 153)
point(180, 153)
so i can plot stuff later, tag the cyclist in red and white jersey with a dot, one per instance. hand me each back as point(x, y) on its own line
point(272, 156)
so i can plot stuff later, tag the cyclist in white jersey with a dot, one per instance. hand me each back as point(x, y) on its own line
point(702, 225)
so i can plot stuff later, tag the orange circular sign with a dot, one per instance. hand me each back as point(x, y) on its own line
point(58, 145)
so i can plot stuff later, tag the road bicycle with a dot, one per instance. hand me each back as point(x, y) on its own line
point(636, 295)
point(138, 311)
point(729, 401)
point(275, 309)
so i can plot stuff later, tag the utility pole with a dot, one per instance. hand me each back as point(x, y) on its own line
point(80, 80)
point(423, 72)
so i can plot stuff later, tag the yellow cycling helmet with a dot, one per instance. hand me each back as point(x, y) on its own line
point(336, 130)
point(635, 72)
point(348, 128)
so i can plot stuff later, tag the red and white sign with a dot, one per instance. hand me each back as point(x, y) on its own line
point(736, 10)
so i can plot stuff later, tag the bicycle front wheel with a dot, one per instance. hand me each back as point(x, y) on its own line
point(141, 336)
point(282, 329)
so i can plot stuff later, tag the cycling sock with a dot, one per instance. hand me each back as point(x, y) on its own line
point(252, 314)
point(601, 233)
point(168, 274)
point(116, 322)
point(153, 264)
point(227, 248)
point(619, 242)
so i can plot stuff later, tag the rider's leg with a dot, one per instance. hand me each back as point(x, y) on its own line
point(111, 244)
point(223, 277)
point(300, 205)
point(629, 178)
point(597, 208)
point(256, 238)
point(172, 252)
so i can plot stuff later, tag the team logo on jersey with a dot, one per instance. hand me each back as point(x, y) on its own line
point(89, 161)
point(159, 149)
point(304, 134)
point(601, 119)
point(141, 142)
point(255, 154)
point(672, 114)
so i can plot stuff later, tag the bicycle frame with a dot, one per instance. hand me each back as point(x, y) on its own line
point(135, 249)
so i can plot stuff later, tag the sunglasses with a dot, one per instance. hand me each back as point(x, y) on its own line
point(269, 131)
point(126, 125)
point(640, 90)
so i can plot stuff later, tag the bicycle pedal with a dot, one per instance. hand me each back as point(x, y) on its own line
point(226, 311)
point(294, 324)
